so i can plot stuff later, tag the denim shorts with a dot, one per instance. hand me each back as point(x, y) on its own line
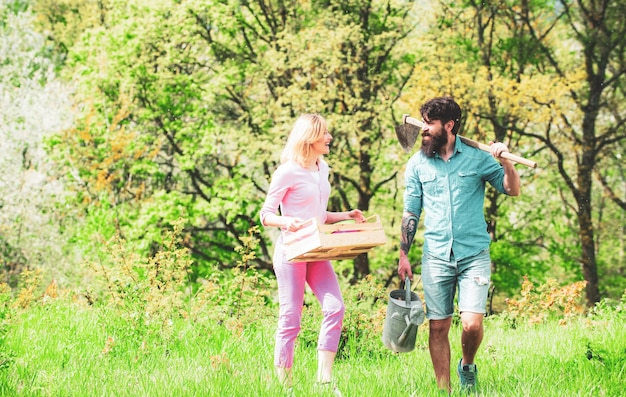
point(441, 279)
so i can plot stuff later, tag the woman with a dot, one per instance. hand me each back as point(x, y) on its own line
point(301, 189)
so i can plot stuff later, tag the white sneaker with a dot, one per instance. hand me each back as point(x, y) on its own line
point(329, 387)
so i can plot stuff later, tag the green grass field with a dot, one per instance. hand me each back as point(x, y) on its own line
point(65, 348)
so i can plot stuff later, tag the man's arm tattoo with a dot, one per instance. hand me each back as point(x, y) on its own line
point(409, 228)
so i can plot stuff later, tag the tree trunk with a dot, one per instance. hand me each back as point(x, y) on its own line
point(362, 262)
point(588, 259)
point(583, 199)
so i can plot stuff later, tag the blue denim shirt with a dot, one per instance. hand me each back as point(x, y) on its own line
point(452, 195)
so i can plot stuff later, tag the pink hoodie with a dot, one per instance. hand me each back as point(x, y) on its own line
point(298, 192)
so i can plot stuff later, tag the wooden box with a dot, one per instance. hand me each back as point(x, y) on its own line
point(316, 241)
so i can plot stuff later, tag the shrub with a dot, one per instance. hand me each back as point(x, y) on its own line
point(363, 322)
point(30, 281)
point(366, 307)
point(238, 298)
point(6, 312)
point(547, 301)
point(146, 293)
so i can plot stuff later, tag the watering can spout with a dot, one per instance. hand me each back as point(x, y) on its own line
point(413, 320)
point(406, 332)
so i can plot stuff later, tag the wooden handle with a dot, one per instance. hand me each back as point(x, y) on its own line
point(506, 155)
point(406, 119)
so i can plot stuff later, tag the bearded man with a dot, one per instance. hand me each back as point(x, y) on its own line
point(446, 179)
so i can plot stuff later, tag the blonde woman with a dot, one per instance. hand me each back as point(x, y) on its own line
point(300, 188)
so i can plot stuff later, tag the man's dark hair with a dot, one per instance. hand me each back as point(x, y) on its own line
point(444, 109)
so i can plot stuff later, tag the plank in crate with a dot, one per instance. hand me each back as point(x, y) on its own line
point(316, 241)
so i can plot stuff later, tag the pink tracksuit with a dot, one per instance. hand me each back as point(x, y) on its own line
point(300, 194)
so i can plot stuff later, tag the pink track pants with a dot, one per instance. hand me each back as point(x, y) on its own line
point(291, 278)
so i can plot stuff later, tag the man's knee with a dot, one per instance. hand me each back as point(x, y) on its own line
point(472, 322)
point(439, 327)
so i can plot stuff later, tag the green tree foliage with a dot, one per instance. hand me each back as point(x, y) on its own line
point(341, 59)
point(184, 106)
point(516, 69)
point(33, 105)
point(147, 146)
point(187, 105)
point(63, 21)
point(589, 120)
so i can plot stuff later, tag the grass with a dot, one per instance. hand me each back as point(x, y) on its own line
point(65, 348)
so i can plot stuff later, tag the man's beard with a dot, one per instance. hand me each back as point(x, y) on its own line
point(434, 145)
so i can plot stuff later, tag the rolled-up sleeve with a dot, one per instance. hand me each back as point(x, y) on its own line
point(493, 172)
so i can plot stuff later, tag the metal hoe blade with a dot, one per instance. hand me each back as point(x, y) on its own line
point(407, 135)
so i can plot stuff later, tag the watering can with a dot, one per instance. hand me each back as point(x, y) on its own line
point(404, 314)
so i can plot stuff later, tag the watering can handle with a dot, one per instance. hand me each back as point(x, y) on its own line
point(407, 288)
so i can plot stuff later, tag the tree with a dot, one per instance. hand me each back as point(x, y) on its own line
point(482, 59)
point(342, 59)
point(515, 68)
point(212, 90)
point(594, 128)
point(33, 105)
point(63, 21)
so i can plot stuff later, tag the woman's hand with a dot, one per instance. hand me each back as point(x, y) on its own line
point(292, 224)
point(357, 215)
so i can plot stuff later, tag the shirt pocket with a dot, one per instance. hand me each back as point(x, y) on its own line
point(430, 185)
point(468, 181)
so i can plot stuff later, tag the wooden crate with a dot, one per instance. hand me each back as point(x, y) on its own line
point(316, 241)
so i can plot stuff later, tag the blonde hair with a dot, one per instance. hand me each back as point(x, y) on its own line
point(309, 128)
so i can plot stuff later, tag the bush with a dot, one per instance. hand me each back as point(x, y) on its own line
point(6, 312)
point(366, 306)
point(547, 301)
point(147, 294)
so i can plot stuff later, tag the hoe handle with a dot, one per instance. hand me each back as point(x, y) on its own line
point(406, 119)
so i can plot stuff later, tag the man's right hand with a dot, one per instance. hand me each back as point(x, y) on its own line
point(404, 267)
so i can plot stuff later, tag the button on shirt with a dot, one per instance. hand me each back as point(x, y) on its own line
point(452, 195)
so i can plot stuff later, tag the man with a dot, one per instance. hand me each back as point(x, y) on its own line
point(446, 179)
